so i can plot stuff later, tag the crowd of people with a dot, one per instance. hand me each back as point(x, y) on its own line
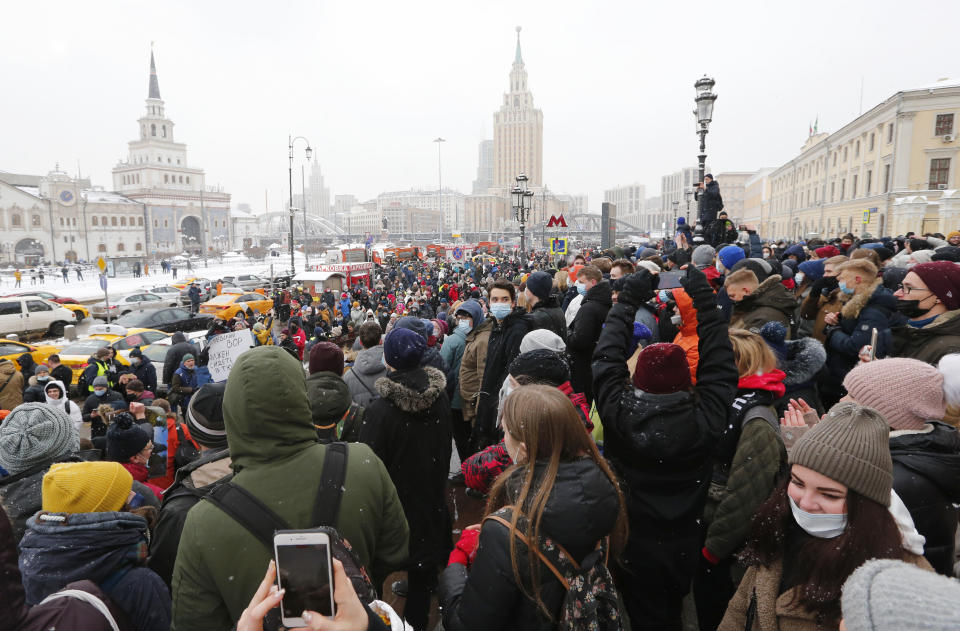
point(727, 434)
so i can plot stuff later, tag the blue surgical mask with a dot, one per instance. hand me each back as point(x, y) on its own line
point(820, 525)
point(845, 289)
point(99, 393)
point(463, 325)
point(501, 310)
point(45, 378)
point(581, 288)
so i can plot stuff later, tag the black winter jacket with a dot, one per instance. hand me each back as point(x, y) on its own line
point(661, 444)
point(875, 308)
point(502, 348)
point(584, 334)
point(711, 202)
point(581, 510)
point(547, 314)
point(926, 476)
point(175, 355)
point(409, 428)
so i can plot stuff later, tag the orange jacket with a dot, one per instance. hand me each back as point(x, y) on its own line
point(687, 338)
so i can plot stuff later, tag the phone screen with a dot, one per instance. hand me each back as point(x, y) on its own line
point(305, 575)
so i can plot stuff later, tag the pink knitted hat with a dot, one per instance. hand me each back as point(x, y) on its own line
point(907, 392)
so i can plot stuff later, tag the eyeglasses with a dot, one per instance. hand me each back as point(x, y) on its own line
point(907, 289)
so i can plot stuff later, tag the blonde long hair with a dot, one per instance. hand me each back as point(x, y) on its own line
point(751, 353)
point(544, 420)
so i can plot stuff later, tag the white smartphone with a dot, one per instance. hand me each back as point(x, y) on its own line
point(304, 569)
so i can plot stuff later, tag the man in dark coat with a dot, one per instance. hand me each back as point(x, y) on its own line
point(660, 433)
point(509, 325)
point(180, 347)
point(758, 303)
point(545, 311)
point(144, 370)
point(409, 428)
point(585, 328)
point(711, 203)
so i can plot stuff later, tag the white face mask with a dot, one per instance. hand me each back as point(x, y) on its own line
point(676, 320)
point(820, 525)
point(719, 266)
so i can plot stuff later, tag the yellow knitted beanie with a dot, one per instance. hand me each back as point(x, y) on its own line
point(86, 487)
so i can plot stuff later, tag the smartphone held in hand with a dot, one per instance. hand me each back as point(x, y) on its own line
point(305, 571)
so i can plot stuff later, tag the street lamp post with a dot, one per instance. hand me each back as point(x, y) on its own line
point(688, 195)
point(704, 112)
point(309, 152)
point(440, 140)
point(522, 203)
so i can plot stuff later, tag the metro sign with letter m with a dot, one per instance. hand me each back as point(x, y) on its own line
point(557, 222)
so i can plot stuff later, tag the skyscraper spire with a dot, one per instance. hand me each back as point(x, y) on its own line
point(154, 84)
point(518, 58)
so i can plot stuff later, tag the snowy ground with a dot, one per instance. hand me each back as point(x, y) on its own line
point(88, 290)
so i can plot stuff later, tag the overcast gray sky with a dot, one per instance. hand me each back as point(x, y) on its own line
point(371, 84)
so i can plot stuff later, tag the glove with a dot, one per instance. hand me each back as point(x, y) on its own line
point(823, 285)
point(641, 332)
point(465, 551)
point(638, 288)
point(695, 283)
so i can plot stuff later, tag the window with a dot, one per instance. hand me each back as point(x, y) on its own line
point(140, 221)
point(843, 188)
point(138, 247)
point(944, 124)
point(103, 221)
point(102, 247)
point(845, 154)
point(181, 179)
point(120, 247)
point(939, 172)
point(163, 131)
point(11, 308)
point(853, 188)
point(36, 306)
point(94, 221)
point(35, 220)
point(834, 158)
point(73, 221)
point(123, 221)
point(165, 223)
point(156, 223)
point(856, 151)
point(113, 221)
point(870, 145)
point(886, 179)
point(61, 221)
point(166, 178)
point(889, 133)
point(188, 179)
point(833, 188)
point(16, 220)
point(869, 183)
point(153, 129)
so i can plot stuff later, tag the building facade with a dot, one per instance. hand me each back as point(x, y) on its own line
point(891, 170)
point(517, 132)
point(678, 187)
point(318, 195)
point(630, 200)
point(484, 181)
point(733, 189)
point(183, 213)
point(449, 201)
point(756, 198)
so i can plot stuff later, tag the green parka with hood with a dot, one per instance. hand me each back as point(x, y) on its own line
point(276, 457)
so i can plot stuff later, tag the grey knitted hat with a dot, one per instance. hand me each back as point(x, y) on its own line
point(703, 255)
point(888, 595)
point(33, 434)
point(101, 381)
point(851, 446)
point(542, 338)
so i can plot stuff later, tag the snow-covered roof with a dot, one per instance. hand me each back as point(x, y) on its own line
point(106, 197)
point(945, 82)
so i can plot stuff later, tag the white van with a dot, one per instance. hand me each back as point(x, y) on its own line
point(33, 314)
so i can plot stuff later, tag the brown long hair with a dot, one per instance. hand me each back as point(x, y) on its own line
point(544, 419)
point(871, 533)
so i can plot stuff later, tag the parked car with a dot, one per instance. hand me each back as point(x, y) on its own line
point(12, 350)
point(168, 291)
point(246, 281)
point(156, 353)
point(76, 354)
point(79, 311)
point(137, 301)
point(25, 315)
point(171, 319)
point(208, 289)
point(226, 306)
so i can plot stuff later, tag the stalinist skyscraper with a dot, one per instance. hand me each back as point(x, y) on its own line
point(517, 132)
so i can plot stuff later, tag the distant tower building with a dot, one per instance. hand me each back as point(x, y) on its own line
point(182, 213)
point(484, 180)
point(318, 195)
point(517, 132)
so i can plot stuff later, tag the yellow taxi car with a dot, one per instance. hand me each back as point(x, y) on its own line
point(75, 354)
point(226, 306)
point(12, 350)
point(80, 312)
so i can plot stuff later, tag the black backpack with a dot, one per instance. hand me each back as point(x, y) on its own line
point(186, 451)
point(262, 522)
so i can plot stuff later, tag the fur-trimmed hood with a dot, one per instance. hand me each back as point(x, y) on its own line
point(805, 357)
point(413, 390)
point(852, 307)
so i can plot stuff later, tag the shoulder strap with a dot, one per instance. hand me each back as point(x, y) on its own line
point(7, 382)
point(536, 549)
point(248, 511)
point(326, 509)
point(88, 598)
point(763, 412)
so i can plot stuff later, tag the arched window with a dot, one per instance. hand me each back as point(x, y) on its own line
point(166, 178)
point(73, 220)
point(139, 221)
point(103, 221)
point(153, 129)
point(166, 224)
point(163, 130)
point(120, 247)
point(138, 247)
point(16, 220)
point(123, 222)
point(181, 179)
point(61, 221)
point(102, 247)
point(188, 179)
point(94, 221)
point(35, 220)
point(156, 223)
point(113, 221)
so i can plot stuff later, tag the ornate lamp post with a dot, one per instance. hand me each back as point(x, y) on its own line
point(522, 203)
point(309, 153)
point(704, 113)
